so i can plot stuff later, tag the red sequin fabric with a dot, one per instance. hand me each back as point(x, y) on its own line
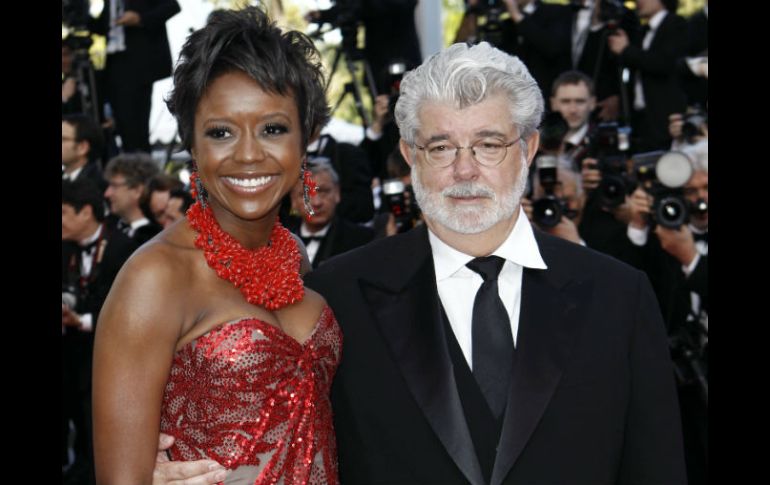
point(254, 399)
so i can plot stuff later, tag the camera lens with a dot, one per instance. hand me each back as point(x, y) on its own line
point(671, 212)
point(546, 212)
point(612, 191)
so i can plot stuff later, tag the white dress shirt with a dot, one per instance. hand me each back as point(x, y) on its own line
point(313, 246)
point(86, 265)
point(457, 284)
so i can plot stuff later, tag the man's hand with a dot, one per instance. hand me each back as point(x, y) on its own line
point(590, 174)
point(678, 243)
point(68, 88)
point(565, 229)
point(380, 112)
point(201, 472)
point(640, 205)
point(675, 122)
point(526, 204)
point(610, 107)
point(513, 8)
point(129, 18)
point(70, 318)
point(618, 41)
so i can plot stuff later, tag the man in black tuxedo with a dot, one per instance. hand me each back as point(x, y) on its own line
point(325, 234)
point(138, 54)
point(91, 258)
point(657, 88)
point(555, 372)
point(128, 176)
point(81, 144)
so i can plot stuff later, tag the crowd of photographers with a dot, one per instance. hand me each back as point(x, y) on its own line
point(622, 169)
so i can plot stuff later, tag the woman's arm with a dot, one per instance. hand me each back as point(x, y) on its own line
point(138, 330)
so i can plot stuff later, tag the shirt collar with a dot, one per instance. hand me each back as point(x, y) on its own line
point(305, 232)
point(578, 136)
point(92, 238)
point(656, 19)
point(520, 247)
point(139, 223)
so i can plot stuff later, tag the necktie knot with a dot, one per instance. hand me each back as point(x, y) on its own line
point(488, 267)
point(308, 239)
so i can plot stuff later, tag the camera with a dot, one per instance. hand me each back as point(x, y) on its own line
point(608, 144)
point(611, 13)
point(345, 16)
point(400, 201)
point(693, 123)
point(553, 129)
point(548, 210)
point(663, 175)
point(491, 30)
point(75, 14)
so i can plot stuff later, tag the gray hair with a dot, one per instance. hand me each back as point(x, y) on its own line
point(463, 76)
point(321, 164)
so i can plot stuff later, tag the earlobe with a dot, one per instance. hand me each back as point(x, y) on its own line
point(406, 152)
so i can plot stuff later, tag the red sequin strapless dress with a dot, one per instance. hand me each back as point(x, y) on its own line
point(257, 401)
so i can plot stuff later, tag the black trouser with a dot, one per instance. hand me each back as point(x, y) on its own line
point(131, 100)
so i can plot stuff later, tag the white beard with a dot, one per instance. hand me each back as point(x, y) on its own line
point(469, 219)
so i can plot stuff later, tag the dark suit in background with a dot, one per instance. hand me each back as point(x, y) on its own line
point(130, 74)
point(663, 93)
point(592, 398)
point(341, 237)
point(77, 346)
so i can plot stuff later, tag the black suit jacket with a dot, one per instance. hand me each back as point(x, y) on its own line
point(341, 237)
point(541, 40)
point(661, 83)
point(592, 398)
point(148, 55)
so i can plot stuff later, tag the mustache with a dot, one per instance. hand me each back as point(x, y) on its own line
point(469, 189)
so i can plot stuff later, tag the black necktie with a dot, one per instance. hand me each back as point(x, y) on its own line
point(308, 239)
point(492, 340)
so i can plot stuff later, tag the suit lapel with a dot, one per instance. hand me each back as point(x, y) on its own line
point(550, 317)
point(406, 309)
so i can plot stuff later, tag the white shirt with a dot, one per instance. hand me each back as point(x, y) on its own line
point(86, 264)
point(136, 225)
point(72, 175)
point(655, 21)
point(457, 284)
point(313, 246)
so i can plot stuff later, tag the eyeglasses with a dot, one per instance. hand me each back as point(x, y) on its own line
point(117, 184)
point(486, 152)
point(68, 138)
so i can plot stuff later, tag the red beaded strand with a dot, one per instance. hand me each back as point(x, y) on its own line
point(267, 276)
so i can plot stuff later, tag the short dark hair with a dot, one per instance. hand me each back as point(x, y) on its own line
point(137, 168)
point(82, 192)
point(187, 199)
point(86, 129)
point(246, 40)
point(572, 77)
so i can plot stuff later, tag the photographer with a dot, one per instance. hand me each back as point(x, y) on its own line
point(676, 261)
point(566, 193)
point(91, 258)
point(534, 31)
point(138, 54)
point(325, 234)
point(657, 89)
point(390, 32)
point(572, 95)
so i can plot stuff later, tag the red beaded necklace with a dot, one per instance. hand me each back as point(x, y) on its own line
point(267, 276)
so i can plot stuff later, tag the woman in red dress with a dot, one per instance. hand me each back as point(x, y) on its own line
point(208, 333)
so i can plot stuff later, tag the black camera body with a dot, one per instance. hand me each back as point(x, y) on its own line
point(611, 13)
point(400, 200)
point(75, 14)
point(491, 30)
point(663, 175)
point(548, 210)
point(609, 144)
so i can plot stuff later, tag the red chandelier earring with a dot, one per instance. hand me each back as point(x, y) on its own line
point(308, 189)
